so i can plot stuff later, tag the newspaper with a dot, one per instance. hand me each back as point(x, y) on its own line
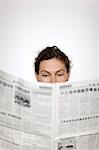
point(43, 116)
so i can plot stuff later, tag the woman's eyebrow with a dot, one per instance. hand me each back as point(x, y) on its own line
point(60, 70)
point(44, 71)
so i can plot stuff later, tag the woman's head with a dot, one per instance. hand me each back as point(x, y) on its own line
point(52, 65)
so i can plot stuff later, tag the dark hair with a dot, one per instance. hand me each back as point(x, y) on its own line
point(49, 53)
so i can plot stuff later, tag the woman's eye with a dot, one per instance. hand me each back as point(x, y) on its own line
point(61, 74)
point(44, 75)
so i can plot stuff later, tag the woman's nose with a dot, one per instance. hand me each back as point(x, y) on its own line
point(53, 80)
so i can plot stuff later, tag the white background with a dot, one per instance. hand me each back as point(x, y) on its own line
point(28, 26)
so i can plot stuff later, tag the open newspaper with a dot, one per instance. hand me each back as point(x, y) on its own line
point(42, 116)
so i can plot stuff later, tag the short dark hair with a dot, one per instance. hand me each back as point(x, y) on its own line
point(49, 53)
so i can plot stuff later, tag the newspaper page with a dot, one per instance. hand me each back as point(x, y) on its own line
point(26, 109)
point(77, 121)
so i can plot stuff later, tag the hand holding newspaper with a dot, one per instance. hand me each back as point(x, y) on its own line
point(42, 116)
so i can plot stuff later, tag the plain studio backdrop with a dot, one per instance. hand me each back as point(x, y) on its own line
point(28, 26)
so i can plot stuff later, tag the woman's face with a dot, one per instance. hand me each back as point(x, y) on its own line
point(52, 70)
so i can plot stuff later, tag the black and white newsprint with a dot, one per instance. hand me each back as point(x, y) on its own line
point(42, 116)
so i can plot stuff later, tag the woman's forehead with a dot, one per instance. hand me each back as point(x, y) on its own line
point(52, 65)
